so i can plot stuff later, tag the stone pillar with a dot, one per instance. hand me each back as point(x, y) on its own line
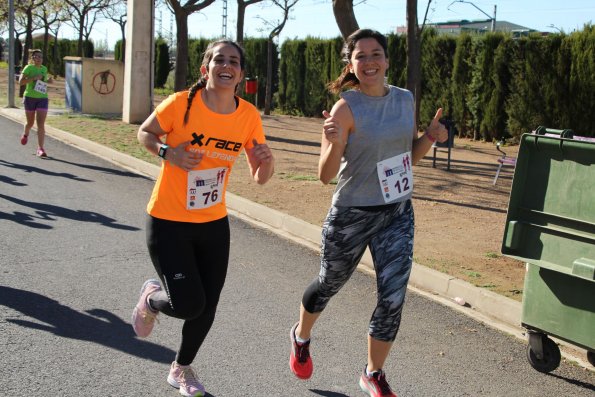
point(138, 67)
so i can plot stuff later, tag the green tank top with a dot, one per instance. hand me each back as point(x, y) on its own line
point(31, 71)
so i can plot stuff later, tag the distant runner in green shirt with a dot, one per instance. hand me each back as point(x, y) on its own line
point(35, 77)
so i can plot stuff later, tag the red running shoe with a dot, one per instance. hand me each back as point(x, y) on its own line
point(24, 139)
point(300, 361)
point(375, 385)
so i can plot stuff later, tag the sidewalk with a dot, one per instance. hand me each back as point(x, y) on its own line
point(485, 306)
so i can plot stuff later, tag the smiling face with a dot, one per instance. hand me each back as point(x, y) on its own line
point(224, 69)
point(368, 62)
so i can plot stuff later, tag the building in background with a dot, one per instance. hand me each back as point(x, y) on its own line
point(476, 26)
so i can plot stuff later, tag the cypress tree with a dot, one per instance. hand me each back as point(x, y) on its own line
point(315, 76)
point(162, 63)
point(582, 81)
point(495, 115)
point(291, 88)
point(437, 65)
point(460, 81)
point(397, 67)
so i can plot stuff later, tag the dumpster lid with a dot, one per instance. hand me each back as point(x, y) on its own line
point(551, 212)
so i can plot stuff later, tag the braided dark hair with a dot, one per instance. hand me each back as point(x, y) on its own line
point(202, 81)
point(347, 78)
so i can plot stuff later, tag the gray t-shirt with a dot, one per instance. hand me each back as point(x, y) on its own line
point(384, 128)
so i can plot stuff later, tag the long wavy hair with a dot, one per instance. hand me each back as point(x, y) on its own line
point(202, 81)
point(347, 79)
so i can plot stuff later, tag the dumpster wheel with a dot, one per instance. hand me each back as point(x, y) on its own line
point(551, 355)
point(591, 357)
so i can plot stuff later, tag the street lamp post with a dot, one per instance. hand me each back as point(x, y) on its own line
point(11, 53)
point(551, 25)
point(492, 18)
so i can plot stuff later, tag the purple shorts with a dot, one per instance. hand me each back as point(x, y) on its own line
point(35, 104)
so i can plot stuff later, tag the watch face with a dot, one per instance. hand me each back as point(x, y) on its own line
point(162, 151)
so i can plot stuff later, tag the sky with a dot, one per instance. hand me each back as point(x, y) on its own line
point(315, 17)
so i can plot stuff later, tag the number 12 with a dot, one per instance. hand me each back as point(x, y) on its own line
point(405, 185)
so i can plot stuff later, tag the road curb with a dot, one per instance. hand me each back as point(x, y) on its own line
point(493, 305)
point(483, 305)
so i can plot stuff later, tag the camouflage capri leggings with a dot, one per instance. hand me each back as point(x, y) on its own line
point(347, 231)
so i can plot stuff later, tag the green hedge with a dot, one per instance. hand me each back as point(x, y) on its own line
point(54, 59)
point(292, 71)
point(492, 86)
point(256, 67)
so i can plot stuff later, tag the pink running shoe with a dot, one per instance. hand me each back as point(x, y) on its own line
point(24, 139)
point(300, 361)
point(183, 377)
point(41, 152)
point(375, 385)
point(143, 317)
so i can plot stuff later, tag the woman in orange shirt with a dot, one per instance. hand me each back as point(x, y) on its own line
point(205, 130)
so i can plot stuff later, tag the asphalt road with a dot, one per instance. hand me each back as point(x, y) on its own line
point(73, 258)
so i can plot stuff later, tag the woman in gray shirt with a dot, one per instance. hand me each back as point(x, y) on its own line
point(370, 143)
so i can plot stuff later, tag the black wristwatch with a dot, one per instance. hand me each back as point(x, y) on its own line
point(162, 151)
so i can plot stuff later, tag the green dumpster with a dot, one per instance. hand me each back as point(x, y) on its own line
point(550, 226)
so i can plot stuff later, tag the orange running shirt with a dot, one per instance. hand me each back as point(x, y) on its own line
point(198, 196)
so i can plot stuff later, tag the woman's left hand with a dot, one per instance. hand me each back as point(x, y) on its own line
point(436, 130)
point(262, 152)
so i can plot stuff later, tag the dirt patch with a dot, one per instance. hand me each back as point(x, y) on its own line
point(460, 214)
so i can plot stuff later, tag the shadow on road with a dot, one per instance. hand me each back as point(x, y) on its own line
point(11, 181)
point(96, 325)
point(106, 170)
point(29, 168)
point(327, 393)
point(575, 382)
point(49, 212)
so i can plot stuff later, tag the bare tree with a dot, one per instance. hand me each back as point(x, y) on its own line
point(345, 17)
point(3, 18)
point(25, 17)
point(49, 13)
point(84, 14)
point(117, 12)
point(242, 4)
point(278, 26)
point(181, 13)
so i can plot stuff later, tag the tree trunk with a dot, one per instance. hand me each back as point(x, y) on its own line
point(413, 56)
point(268, 98)
point(345, 17)
point(28, 46)
point(240, 22)
point(46, 41)
point(181, 70)
point(55, 52)
point(123, 29)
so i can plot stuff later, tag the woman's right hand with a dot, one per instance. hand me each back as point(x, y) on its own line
point(332, 129)
point(183, 158)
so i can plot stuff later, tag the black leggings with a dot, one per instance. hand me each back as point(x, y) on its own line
point(191, 261)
